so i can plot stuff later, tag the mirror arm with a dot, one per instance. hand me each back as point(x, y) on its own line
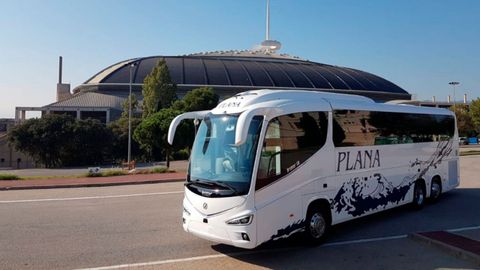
point(177, 120)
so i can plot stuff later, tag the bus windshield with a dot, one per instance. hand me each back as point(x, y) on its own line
point(217, 167)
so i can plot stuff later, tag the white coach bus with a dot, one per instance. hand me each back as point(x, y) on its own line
point(266, 164)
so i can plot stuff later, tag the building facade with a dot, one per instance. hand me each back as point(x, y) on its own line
point(9, 158)
point(227, 72)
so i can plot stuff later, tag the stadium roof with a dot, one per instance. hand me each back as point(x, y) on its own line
point(247, 70)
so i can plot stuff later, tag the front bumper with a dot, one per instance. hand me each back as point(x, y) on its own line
point(215, 229)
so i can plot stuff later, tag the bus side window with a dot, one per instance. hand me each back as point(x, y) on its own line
point(289, 141)
point(366, 128)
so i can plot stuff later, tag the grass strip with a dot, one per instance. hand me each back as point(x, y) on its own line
point(470, 153)
point(9, 177)
point(105, 173)
point(108, 173)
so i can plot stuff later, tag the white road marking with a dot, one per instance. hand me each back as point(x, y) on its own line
point(464, 229)
point(360, 241)
point(156, 263)
point(92, 197)
point(216, 256)
point(198, 258)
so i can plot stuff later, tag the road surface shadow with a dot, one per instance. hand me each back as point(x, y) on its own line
point(456, 209)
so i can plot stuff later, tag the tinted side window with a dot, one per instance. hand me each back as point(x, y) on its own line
point(363, 128)
point(289, 141)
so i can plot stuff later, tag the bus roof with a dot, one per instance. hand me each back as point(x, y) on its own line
point(324, 101)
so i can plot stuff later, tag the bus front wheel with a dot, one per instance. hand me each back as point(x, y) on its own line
point(316, 226)
point(418, 195)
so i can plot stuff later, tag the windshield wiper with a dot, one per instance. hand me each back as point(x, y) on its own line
point(225, 185)
point(212, 183)
point(199, 181)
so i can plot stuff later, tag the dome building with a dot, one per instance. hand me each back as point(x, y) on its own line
point(227, 72)
point(234, 71)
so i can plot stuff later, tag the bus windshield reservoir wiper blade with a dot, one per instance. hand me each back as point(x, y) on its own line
point(225, 185)
point(212, 184)
point(200, 181)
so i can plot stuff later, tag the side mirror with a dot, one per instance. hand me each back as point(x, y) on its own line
point(243, 123)
point(177, 120)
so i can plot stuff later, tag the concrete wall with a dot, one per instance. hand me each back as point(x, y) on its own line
point(9, 158)
point(63, 91)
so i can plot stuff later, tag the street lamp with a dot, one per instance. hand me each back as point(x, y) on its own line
point(132, 66)
point(454, 84)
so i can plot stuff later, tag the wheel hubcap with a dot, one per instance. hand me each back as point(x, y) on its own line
point(435, 190)
point(419, 195)
point(317, 225)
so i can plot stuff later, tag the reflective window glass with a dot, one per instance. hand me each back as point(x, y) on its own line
point(289, 141)
point(363, 128)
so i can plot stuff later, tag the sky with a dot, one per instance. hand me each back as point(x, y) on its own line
point(420, 45)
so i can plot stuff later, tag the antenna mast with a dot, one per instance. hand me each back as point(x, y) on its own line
point(269, 45)
point(267, 33)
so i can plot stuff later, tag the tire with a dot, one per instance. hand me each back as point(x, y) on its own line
point(435, 190)
point(316, 226)
point(418, 195)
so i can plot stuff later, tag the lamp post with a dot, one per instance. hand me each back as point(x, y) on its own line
point(129, 155)
point(454, 84)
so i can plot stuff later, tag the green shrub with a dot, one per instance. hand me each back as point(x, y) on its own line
point(114, 173)
point(92, 174)
point(159, 170)
point(181, 154)
point(9, 177)
point(153, 170)
point(106, 173)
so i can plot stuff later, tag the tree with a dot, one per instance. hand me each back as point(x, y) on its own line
point(197, 100)
point(475, 114)
point(125, 106)
point(61, 140)
point(152, 133)
point(119, 130)
point(465, 124)
point(90, 144)
point(159, 91)
point(42, 139)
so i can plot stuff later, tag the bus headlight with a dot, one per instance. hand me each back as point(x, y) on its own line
point(243, 220)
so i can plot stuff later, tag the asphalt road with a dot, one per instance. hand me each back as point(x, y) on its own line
point(93, 227)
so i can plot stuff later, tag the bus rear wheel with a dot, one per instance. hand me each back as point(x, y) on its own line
point(316, 226)
point(418, 195)
point(435, 190)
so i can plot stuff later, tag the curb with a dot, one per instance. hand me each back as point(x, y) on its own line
point(82, 185)
point(455, 251)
